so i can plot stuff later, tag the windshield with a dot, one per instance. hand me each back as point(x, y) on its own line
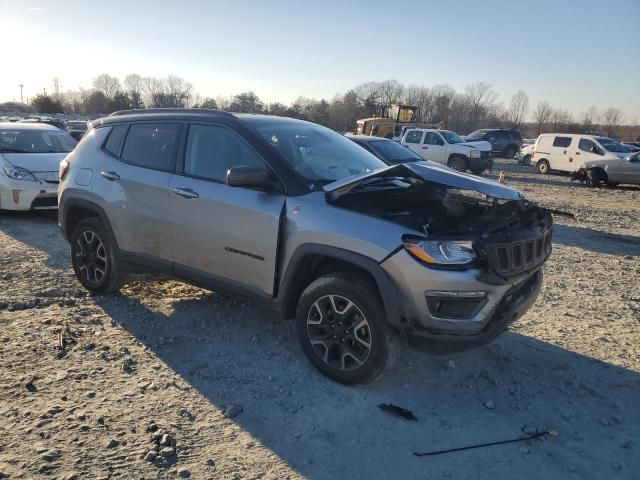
point(35, 141)
point(393, 152)
point(451, 137)
point(612, 145)
point(318, 154)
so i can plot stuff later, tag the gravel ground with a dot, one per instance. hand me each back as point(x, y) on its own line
point(164, 379)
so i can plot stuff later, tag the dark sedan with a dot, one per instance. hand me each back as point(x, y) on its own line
point(386, 150)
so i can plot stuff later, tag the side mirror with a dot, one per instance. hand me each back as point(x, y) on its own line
point(246, 176)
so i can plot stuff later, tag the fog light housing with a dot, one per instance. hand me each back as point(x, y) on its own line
point(456, 305)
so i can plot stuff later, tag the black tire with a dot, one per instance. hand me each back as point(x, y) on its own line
point(458, 163)
point(543, 167)
point(526, 160)
point(94, 258)
point(595, 178)
point(510, 152)
point(609, 184)
point(325, 321)
point(477, 170)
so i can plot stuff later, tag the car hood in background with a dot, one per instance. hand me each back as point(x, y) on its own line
point(480, 145)
point(35, 162)
point(436, 174)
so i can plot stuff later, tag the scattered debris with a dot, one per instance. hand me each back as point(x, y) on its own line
point(490, 444)
point(490, 405)
point(394, 409)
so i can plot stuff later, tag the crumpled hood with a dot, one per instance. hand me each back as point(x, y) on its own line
point(35, 162)
point(438, 174)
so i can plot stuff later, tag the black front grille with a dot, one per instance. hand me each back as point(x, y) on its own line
point(513, 258)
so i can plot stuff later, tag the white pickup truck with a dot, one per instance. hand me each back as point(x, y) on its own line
point(449, 148)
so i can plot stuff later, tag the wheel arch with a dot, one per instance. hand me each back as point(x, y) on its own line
point(72, 210)
point(311, 261)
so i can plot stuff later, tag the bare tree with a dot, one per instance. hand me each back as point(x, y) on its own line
point(107, 84)
point(542, 116)
point(518, 108)
point(481, 97)
point(612, 118)
point(590, 120)
point(390, 92)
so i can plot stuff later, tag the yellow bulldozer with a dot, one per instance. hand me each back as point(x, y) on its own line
point(391, 123)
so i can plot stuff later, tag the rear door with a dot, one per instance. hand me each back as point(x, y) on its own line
point(434, 148)
point(413, 140)
point(133, 181)
point(560, 158)
point(223, 234)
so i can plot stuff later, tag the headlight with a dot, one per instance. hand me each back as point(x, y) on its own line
point(18, 173)
point(474, 154)
point(442, 252)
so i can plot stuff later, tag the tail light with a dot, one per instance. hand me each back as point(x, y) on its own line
point(62, 170)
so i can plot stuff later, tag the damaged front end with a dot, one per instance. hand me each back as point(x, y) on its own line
point(484, 245)
point(505, 230)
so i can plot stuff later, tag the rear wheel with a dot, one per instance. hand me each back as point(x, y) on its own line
point(457, 163)
point(596, 177)
point(543, 167)
point(510, 152)
point(93, 257)
point(341, 327)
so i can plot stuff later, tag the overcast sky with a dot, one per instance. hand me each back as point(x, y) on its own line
point(571, 53)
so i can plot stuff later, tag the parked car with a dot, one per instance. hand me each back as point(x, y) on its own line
point(525, 154)
point(48, 120)
point(631, 147)
point(504, 142)
point(449, 148)
point(612, 172)
point(77, 128)
point(389, 151)
point(29, 157)
point(303, 220)
point(567, 152)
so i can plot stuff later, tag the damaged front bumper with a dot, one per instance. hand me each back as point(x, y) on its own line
point(450, 311)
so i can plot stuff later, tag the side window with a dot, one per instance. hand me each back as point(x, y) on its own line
point(432, 138)
point(413, 136)
point(151, 145)
point(114, 140)
point(212, 150)
point(489, 136)
point(562, 142)
point(586, 145)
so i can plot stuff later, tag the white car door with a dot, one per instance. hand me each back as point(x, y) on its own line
point(434, 148)
point(560, 158)
point(412, 140)
point(586, 151)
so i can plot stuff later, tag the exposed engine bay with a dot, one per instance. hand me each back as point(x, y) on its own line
point(437, 209)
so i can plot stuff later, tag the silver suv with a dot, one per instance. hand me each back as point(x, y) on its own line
point(300, 218)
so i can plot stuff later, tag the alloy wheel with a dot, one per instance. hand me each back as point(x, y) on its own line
point(339, 332)
point(91, 257)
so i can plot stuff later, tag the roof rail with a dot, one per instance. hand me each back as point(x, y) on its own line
point(141, 111)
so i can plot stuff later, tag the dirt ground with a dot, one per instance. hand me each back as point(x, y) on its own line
point(154, 367)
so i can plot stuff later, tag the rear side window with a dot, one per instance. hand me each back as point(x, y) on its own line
point(562, 141)
point(211, 151)
point(151, 145)
point(114, 140)
point(515, 135)
point(413, 137)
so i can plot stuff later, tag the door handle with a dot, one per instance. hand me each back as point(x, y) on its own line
point(110, 175)
point(577, 153)
point(185, 192)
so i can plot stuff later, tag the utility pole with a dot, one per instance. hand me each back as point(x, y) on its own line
point(44, 91)
point(21, 87)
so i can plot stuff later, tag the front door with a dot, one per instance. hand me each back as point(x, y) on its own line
point(434, 148)
point(412, 140)
point(627, 170)
point(223, 234)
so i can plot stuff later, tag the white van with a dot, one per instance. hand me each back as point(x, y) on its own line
point(566, 152)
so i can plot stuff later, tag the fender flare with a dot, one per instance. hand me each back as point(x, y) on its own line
point(290, 285)
point(79, 200)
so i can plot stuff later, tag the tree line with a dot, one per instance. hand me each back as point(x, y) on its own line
point(477, 106)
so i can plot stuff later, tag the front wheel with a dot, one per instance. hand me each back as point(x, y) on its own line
point(511, 152)
point(527, 160)
point(543, 167)
point(342, 330)
point(457, 163)
point(94, 259)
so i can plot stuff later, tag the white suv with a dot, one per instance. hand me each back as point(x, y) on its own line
point(449, 148)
